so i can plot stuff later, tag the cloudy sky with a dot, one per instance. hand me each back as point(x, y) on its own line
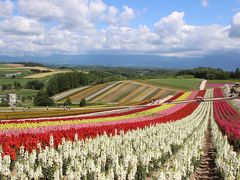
point(167, 28)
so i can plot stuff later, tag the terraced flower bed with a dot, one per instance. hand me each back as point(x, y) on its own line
point(159, 141)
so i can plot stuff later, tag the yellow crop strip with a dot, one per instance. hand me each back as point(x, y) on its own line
point(83, 121)
point(184, 96)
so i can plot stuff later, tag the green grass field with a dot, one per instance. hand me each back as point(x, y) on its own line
point(23, 81)
point(181, 84)
point(21, 92)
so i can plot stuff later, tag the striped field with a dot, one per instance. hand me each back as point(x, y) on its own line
point(121, 92)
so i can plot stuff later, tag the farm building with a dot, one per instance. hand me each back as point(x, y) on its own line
point(13, 74)
point(11, 99)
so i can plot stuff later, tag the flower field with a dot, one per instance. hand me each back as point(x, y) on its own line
point(163, 141)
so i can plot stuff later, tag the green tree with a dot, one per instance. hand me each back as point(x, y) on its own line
point(17, 85)
point(42, 99)
point(4, 103)
point(35, 84)
point(83, 103)
point(64, 81)
point(68, 102)
point(237, 73)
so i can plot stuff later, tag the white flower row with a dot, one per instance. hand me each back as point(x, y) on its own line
point(183, 163)
point(226, 158)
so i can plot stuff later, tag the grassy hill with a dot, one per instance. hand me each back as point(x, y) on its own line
point(180, 84)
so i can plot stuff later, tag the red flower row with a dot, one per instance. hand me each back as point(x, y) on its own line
point(30, 141)
point(227, 118)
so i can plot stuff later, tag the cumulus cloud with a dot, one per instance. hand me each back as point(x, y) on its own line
point(21, 25)
point(110, 16)
point(75, 13)
point(42, 9)
point(48, 26)
point(6, 8)
point(126, 15)
point(128, 39)
point(97, 8)
point(235, 26)
point(172, 28)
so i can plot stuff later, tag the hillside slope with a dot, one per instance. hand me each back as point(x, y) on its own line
point(121, 92)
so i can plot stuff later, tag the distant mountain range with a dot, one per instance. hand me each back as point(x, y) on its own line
point(226, 61)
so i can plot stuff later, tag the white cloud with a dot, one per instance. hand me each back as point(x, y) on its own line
point(127, 15)
point(110, 16)
point(75, 13)
point(20, 25)
point(205, 3)
point(235, 26)
point(47, 26)
point(171, 28)
point(97, 8)
point(42, 9)
point(129, 39)
point(6, 8)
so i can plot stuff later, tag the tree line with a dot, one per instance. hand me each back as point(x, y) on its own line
point(210, 73)
point(65, 81)
point(33, 84)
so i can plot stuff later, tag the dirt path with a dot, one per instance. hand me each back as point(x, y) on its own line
point(203, 84)
point(207, 168)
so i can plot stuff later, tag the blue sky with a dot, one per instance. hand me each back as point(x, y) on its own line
point(217, 11)
point(166, 28)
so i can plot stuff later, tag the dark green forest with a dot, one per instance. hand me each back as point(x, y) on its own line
point(210, 73)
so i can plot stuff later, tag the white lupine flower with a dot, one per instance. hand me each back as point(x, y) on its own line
point(51, 141)
point(6, 165)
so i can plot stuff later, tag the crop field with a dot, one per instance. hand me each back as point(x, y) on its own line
point(16, 68)
point(117, 92)
point(181, 84)
point(165, 141)
point(220, 83)
point(45, 74)
point(40, 113)
point(87, 92)
point(26, 71)
point(12, 68)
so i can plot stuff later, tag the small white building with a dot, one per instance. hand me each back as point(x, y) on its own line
point(13, 74)
point(12, 99)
